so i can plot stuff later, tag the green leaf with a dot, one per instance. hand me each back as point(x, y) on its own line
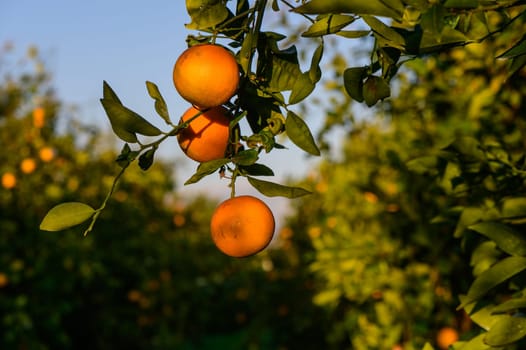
point(299, 133)
point(160, 104)
point(66, 215)
point(303, 86)
point(461, 4)
point(126, 156)
point(272, 189)
point(482, 316)
point(328, 24)
point(256, 169)
point(428, 346)
point(495, 275)
point(476, 343)
point(510, 305)
point(205, 169)
point(126, 123)
point(517, 63)
point(353, 34)
point(469, 216)
point(248, 46)
point(384, 34)
point(433, 19)
point(206, 14)
point(146, 159)
point(513, 207)
point(315, 71)
point(246, 157)
point(108, 93)
point(507, 331)
point(375, 89)
point(506, 238)
point(358, 7)
point(353, 82)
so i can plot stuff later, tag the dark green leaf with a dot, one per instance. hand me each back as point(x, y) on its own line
point(160, 104)
point(299, 133)
point(495, 275)
point(126, 123)
point(510, 305)
point(513, 207)
point(506, 238)
point(461, 4)
point(272, 189)
point(517, 63)
point(205, 169)
point(206, 14)
point(469, 216)
point(257, 169)
point(146, 159)
point(246, 157)
point(328, 24)
point(423, 165)
point(358, 7)
point(375, 89)
point(66, 215)
point(126, 156)
point(247, 48)
point(353, 82)
point(508, 330)
point(108, 93)
point(433, 19)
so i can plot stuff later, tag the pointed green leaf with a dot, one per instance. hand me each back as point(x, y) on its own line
point(509, 240)
point(375, 89)
point(160, 104)
point(428, 346)
point(476, 343)
point(328, 24)
point(513, 207)
point(358, 7)
point(66, 215)
point(108, 93)
point(205, 169)
point(482, 316)
point(247, 48)
point(507, 331)
point(246, 157)
point(353, 82)
point(510, 305)
point(256, 169)
point(433, 19)
point(315, 71)
point(299, 133)
point(353, 34)
point(386, 35)
point(495, 275)
point(126, 123)
point(272, 189)
point(206, 14)
point(469, 216)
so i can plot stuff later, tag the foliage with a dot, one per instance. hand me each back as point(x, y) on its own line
point(151, 277)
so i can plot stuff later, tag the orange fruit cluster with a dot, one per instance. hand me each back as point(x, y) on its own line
point(207, 76)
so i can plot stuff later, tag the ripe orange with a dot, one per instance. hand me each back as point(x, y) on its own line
point(28, 165)
point(8, 180)
point(206, 137)
point(39, 117)
point(446, 336)
point(242, 226)
point(46, 154)
point(206, 75)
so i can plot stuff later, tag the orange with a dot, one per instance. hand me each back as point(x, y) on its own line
point(28, 165)
point(242, 226)
point(8, 180)
point(39, 117)
point(46, 154)
point(445, 337)
point(206, 137)
point(206, 75)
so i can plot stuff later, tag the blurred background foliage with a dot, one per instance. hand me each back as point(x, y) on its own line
point(374, 259)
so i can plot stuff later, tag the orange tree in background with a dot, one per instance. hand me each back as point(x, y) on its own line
point(151, 278)
point(271, 81)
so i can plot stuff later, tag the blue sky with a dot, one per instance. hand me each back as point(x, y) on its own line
point(124, 43)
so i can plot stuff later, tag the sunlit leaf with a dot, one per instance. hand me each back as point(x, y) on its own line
point(513, 207)
point(247, 48)
point(359, 7)
point(303, 86)
point(328, 24)
point(299, 133)
point(508, 330)
point(387, 35)
point(476, 343)
point(498, 273)
point(272, 189)
point(66, 215)
point(353, 82)
point(353, 34)
point(469, 216)
point(315, 71)
point(510, 305)
point(206, 13)
point(509, 240)
point(160, 104)
point(205, 169)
